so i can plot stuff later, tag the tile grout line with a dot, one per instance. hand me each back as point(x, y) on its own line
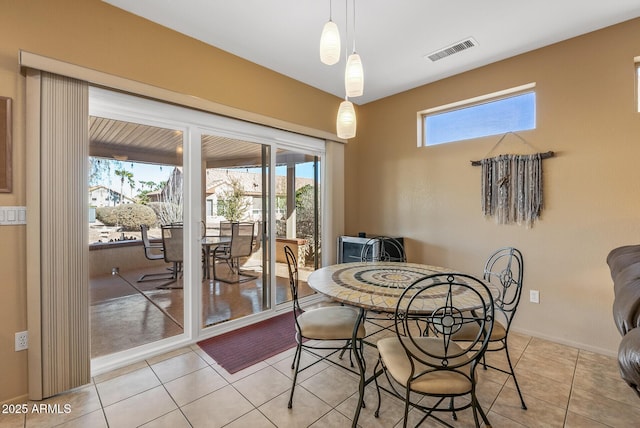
point(573, 378)
point(272, 364)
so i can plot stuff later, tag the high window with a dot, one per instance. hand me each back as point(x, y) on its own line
point(493, 114)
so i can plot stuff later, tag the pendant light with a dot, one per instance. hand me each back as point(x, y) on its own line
point(330, 42)
point(353, 73)
point(354, 76)
point(346, 120)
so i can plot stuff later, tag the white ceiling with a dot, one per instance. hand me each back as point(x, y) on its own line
point(392, 36)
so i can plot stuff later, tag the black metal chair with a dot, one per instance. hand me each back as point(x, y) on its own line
point(321, 326)
point(504, 268)
point(383, 249)
point(420, 364)
point(152, 251)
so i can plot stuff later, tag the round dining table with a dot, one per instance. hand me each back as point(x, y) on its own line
point(377, 286)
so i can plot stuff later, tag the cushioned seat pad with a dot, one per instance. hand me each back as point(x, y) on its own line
point(441, 382)
point(330, 323)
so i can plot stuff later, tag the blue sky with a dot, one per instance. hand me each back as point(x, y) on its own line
point(516, 113)
point(140, 171)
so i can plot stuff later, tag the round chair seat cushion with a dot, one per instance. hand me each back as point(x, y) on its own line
point(330, 323)
point(437, 382)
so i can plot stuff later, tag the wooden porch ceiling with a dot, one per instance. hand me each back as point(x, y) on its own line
point(114, 139)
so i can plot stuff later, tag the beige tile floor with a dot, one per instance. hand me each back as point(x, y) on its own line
point(563, 387)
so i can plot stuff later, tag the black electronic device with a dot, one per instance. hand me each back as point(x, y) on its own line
point(350, 248)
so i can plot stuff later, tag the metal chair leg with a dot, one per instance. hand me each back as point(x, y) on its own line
point(513, 374)
point(295, 374)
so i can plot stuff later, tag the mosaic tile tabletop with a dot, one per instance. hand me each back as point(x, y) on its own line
point(378, 285)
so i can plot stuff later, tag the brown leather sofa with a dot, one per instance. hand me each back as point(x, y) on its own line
point(624, 263)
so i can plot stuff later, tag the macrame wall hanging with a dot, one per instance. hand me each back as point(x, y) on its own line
point(512, 185)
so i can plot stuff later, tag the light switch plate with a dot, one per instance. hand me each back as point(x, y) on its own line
point(13, 215)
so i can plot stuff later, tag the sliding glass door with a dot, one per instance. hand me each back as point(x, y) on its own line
point(297, 217)
point(135, 234)
point(235, 220)
point(233, 193)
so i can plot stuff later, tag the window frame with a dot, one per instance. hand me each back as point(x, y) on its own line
point(462, 104)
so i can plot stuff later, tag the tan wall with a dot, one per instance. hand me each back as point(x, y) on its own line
point(431, 195)
point(96, 35)
point(586, 113)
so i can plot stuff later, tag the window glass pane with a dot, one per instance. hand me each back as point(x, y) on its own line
point(515, 113)
point(236, 269)
point(130, 258)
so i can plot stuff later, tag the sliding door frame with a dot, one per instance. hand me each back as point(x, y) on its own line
point(333, 169)
point(194, 124)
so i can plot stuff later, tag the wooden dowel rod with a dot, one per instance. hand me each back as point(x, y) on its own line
point(545, 155)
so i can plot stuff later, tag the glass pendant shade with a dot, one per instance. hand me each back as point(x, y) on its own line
point(330, 44)
point(354, 76)
point(346, 120)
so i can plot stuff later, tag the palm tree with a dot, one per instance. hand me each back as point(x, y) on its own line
point(145, 188)
point(124, 175)
point(149, 185)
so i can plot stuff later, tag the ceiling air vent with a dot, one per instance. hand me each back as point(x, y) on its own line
point(453, 49)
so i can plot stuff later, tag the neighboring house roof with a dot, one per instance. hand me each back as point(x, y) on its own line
point(93, 189)
point(251, 182)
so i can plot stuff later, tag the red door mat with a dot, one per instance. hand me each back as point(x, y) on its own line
point(242, 348)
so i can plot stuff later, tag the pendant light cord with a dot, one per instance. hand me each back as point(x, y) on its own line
point(346, 28)
point(346, 37)
point(354, 26)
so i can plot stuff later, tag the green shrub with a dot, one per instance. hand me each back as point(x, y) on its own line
point(105, 216)
point(128, 216)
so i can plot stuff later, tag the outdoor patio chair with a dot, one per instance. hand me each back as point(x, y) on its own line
point(241, 245)
point(152, 251)
point(225, 230)
point(172, 239)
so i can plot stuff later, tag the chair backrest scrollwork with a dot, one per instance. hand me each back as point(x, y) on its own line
point(505, 269)
point(383, 249)
point(454, 300)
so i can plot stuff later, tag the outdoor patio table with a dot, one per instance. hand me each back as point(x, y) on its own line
point(375, 286)
point(207, 243)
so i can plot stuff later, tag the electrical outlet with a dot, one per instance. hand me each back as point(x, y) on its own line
point(22, 341)
point(534, 296)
